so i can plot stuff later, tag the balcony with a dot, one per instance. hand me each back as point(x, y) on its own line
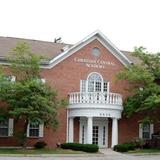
point(95, 98)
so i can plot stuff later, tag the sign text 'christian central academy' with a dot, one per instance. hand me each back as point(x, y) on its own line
point(94, 63)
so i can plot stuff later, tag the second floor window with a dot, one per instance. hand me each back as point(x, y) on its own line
point(94, 83)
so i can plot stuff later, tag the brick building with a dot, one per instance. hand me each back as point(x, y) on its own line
point(85, 73)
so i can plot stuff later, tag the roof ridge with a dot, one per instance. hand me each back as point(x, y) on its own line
point(36, 40)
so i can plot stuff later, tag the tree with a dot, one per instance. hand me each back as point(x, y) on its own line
point(145, 87)
point(28, 98)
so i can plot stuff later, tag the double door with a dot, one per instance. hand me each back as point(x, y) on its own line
point(99, 134)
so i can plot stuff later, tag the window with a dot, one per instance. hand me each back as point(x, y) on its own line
point(98, 86)
point(35, 129)
point(95, 134)
point(83, 86)
point(6, 127)
point(91, 86)
point(94, 77)
point(145, 130)
point(94, 83)
point(104, 135)
point(105, 86)
point(4, 124)
point(96, 52)
point(83, 134)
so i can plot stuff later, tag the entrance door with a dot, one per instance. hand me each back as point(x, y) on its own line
point(95, 135)
point(99, 135)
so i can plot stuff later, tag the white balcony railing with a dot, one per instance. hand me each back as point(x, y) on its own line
point(95, 97)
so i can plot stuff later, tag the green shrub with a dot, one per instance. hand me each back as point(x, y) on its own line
point(90, 148)
point(80, 147)
point(125, 147)
point(138, 142)
point(40, 144)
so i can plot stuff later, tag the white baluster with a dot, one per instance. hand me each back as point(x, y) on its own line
point(113, 99)
point(73, 98)
point(77, 97)
point(95, 97)
point(80, 97)
point(108, 98)
point(70, 98)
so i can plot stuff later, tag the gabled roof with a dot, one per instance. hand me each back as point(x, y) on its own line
point(95, 35)
point(57, 52)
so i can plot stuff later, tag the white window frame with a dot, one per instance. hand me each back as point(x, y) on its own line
point(41, 131)
point(151, 131)
point(94, 82)
point(10, 128)
point(84, 84)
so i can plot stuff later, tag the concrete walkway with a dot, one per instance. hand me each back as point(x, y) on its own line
point(111, 155)
point(107, 155)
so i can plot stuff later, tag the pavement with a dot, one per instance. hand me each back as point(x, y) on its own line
point(107, 154)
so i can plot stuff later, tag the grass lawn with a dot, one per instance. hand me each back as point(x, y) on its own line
point(38, 151)
point(150, 151)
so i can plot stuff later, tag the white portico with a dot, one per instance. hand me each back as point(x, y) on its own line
point(94, 105)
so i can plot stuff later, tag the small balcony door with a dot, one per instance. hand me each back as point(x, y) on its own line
point(94, 83)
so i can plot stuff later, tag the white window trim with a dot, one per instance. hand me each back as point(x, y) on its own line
point(41, 131)
point(141, 130)
point(87, 83)
point(102, 82)
point(10, 128)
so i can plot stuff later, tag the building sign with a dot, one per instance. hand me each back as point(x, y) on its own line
point(94, 63)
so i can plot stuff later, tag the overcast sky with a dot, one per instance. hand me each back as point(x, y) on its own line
point(127, 23)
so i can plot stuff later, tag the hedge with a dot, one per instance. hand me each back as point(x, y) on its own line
point(124, 147)
point(40, 144)
point(81, 147)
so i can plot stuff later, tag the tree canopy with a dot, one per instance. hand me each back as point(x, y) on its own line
point(144, 78)
point(28, 98)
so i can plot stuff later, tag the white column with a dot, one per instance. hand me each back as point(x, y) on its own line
point(114, 132)
point(89, 130)
point(70, 129)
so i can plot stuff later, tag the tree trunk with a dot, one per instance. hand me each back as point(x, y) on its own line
point(24, 140)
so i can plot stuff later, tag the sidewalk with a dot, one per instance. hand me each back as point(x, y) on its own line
point(112, 155)
point(108, 154)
